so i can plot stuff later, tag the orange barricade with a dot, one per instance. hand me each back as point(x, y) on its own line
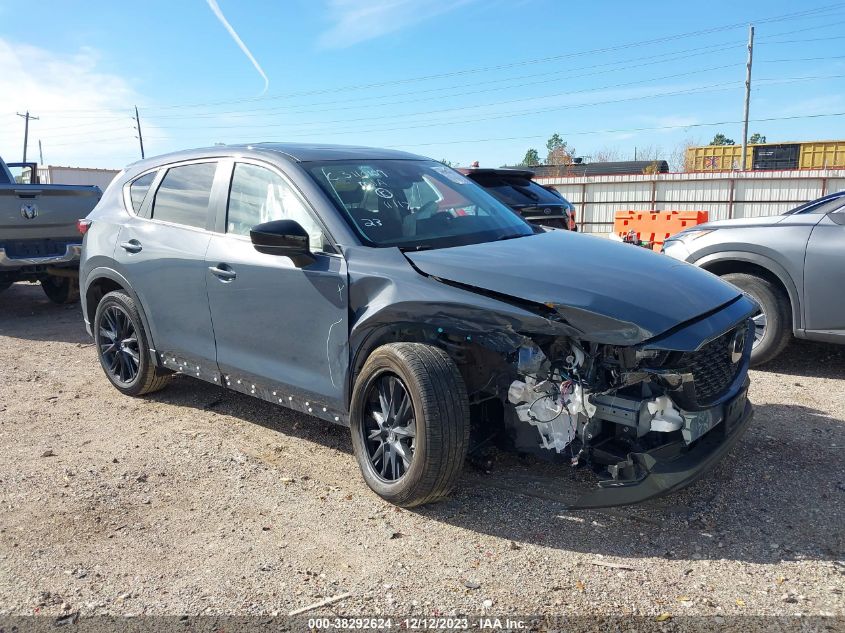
point(656, 226)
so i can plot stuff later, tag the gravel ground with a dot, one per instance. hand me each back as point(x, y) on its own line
point(198, 501)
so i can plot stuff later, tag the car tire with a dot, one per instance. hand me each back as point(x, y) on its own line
point(123, 348)
point(430, 383)
point(776, 331)
point(60, 290)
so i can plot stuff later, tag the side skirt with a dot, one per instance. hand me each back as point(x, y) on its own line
point(278, 394)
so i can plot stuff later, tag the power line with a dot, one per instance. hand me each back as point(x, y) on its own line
point(626, 130)
point(808, 13)
point(475, 106)
point(654, 59)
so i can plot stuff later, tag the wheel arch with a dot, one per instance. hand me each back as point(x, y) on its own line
point(100, 282)
point(761, 266)
point(467, 352)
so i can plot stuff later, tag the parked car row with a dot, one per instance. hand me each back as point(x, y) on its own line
point(389, 293)
point(424, 307)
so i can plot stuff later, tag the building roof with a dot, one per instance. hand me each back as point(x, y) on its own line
point(600, 169)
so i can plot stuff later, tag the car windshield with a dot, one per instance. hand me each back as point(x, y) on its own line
point(822, 205)
point(415, 204)
point(517, 190)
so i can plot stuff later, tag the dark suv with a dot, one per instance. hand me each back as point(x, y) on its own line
point(539, 204)
point(387, 292)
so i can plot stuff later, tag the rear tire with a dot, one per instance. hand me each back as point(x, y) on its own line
point(123, 348)
point(776, 330)
point(439, 417)
point(60, 290)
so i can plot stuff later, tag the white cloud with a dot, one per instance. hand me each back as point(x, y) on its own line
point(84, 112)
point(354, 21)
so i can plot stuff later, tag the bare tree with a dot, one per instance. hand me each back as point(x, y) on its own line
point(650, 153)
point(679, 158)
point(607, 155)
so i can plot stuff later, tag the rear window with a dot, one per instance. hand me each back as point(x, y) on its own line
point(139, 188)
point(184, 193)
point(517, 190)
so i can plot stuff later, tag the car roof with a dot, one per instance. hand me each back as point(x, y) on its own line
point(297, 152)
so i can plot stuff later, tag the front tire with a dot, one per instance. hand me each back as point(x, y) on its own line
point(60, 290)
point(410, 423)
point(773, 327)
point(123, 348)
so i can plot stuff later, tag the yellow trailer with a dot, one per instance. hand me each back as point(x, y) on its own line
point(807, 155)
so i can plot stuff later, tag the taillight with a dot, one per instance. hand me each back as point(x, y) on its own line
point(83, 225)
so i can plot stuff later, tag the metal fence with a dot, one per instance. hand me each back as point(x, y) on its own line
point(723, 195)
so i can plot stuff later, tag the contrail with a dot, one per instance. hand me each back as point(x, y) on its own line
point(216, 9)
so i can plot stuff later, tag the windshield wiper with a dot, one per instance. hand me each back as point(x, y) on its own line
point(512, 236)
point(418, 247)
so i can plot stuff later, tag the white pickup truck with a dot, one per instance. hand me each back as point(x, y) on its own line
point(39, 241)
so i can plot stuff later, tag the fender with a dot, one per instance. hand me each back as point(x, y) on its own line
point(103, 272)
point(770, 265)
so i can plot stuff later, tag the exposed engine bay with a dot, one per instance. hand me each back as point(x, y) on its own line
point(606, 406)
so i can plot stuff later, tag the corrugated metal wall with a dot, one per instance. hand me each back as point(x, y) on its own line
point(723, 195)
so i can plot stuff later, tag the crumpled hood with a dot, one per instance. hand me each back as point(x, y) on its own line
point(613, 292)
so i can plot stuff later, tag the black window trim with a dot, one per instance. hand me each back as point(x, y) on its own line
point(127, 194)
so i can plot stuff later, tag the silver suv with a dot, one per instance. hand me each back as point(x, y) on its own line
point(387, 292)
point(792, 264)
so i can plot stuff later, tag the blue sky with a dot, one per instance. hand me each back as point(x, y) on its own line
point(460, 80)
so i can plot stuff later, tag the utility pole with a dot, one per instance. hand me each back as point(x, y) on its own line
point(40, 153)
point(747, 96)
point(26, 117)
point(138, 127)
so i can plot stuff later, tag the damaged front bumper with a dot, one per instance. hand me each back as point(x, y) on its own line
point(673, 466)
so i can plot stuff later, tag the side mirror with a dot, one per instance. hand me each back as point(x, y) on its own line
point(286, 238)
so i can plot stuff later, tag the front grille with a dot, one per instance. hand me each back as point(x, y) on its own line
point(21, 249)
point(712, 368)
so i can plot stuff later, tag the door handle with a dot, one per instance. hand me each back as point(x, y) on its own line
point(132, 246)
point(223, 272)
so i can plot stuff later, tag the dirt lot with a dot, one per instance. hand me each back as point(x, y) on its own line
point(196, 501)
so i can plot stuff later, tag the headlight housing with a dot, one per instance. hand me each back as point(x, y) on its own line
point(691, 234)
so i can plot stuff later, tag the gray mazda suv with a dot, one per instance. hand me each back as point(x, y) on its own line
point(792, 264)
point(386, 292)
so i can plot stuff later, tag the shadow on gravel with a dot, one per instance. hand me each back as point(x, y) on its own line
point(26, 313)
point(773, 498)
point(809, 359)
point(184, 391)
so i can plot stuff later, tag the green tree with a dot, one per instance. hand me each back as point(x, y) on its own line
point(532, 158)
point(559, 152)
point(721, 139)
point(756, 138)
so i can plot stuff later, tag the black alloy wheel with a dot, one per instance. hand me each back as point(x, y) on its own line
point(389, 427)
point(117, 342)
